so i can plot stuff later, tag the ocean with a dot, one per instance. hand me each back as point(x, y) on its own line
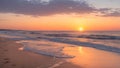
point(53, 43)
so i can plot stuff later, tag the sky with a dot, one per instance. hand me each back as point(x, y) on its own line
point(92, 15)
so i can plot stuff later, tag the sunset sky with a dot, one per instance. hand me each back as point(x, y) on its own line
point(92, 15)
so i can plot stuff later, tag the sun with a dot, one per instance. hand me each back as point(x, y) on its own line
point(81, 29)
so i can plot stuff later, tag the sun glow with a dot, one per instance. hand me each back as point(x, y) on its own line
point(81, 29)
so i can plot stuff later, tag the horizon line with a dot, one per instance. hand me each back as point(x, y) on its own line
point(62, 30)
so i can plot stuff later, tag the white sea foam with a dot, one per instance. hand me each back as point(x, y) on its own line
point(44, 48)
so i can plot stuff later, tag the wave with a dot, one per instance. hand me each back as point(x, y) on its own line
point(86, 44)
point(91, 36)
point(102, 37)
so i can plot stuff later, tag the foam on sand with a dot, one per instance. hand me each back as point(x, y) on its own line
point(41, 47)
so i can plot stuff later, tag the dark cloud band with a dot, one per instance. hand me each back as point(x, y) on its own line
point(37, 7)
point(51, 7)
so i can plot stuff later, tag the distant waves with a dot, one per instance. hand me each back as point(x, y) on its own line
point(91, 36)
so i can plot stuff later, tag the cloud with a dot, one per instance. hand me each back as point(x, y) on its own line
point(115, 13)
point(43, 8)
point(51, 7)
point(110, 12)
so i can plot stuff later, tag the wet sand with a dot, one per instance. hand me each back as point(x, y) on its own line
point(87, 57)
point(11, 56)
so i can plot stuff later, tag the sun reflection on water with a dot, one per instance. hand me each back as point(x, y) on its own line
point(80, 49)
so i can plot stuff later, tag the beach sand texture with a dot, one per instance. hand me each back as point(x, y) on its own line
point(12, 57)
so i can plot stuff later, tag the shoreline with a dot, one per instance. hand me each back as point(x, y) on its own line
point(12, 57)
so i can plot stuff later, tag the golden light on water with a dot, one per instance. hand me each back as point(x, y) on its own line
point(80, 49)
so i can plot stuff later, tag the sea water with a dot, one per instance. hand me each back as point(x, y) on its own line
point(53, 43)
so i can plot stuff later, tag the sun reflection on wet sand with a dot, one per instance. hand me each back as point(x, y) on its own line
point(21, 48)
point(93, 58)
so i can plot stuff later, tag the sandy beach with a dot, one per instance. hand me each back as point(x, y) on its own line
point(12, 57)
